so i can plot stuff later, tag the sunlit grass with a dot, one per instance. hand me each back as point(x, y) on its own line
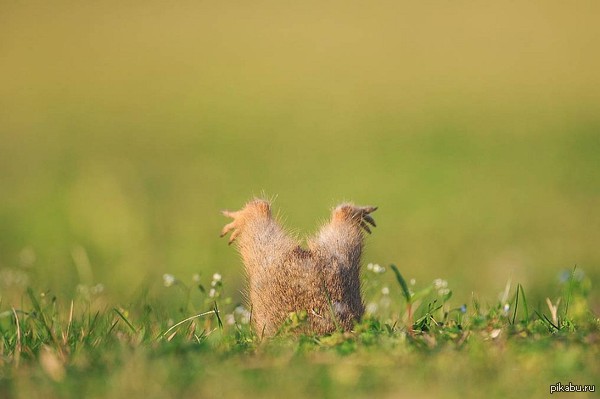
point(126, 127)
point(88, 347)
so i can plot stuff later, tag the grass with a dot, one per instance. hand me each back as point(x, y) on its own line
point(125, 127)
point(89, 348)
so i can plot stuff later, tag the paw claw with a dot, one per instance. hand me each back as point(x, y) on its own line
point(366, 218)
point(369, 220)
point(228, 227)
point(233, 237)
point(369, 209)
point(358, 214)
point(365, 226)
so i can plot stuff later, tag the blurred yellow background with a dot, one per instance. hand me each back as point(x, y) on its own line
point(125, 127)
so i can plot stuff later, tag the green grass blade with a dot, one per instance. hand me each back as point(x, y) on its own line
point(186, 320)
point(402, 283)
point(40, 315)
point(524, 300)
point(122, 316)
point(34, 301)
point(550, 322)
point(516, 305)
point(569, 292)
point(546, 320)
point(216, 309)
point(92, 322)
point(112, 327)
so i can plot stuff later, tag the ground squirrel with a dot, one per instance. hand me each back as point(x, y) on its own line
point(322, 280)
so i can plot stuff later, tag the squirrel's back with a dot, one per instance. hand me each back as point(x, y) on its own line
point(283, 278)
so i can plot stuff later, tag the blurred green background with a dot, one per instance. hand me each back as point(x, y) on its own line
point(125, 127)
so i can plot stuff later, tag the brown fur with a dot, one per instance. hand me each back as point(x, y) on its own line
point(283, 277)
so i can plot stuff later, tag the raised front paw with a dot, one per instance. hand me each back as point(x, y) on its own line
point(357, 214)
point(253, 209)
point(233, 226)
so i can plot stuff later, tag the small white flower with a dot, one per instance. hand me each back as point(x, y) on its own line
point(82, 289)
point(168, 279)
point(371, 308)
point(97, 289)
point(443, 291)
point(9, 277)
point(196, 278)
point(378, 269)
point(385, 302)
point(413, 281)
point(213, 283)
point(385, 291)
point(439, 283)
point(506, 307)
point(212, 293)
point(216, 277)
point(243, 314)
point(370, 266)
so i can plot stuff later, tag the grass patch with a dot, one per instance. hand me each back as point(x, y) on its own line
point(126, 128)
point(418, 344)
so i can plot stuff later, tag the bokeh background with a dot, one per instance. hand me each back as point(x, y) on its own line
point(125, 127)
